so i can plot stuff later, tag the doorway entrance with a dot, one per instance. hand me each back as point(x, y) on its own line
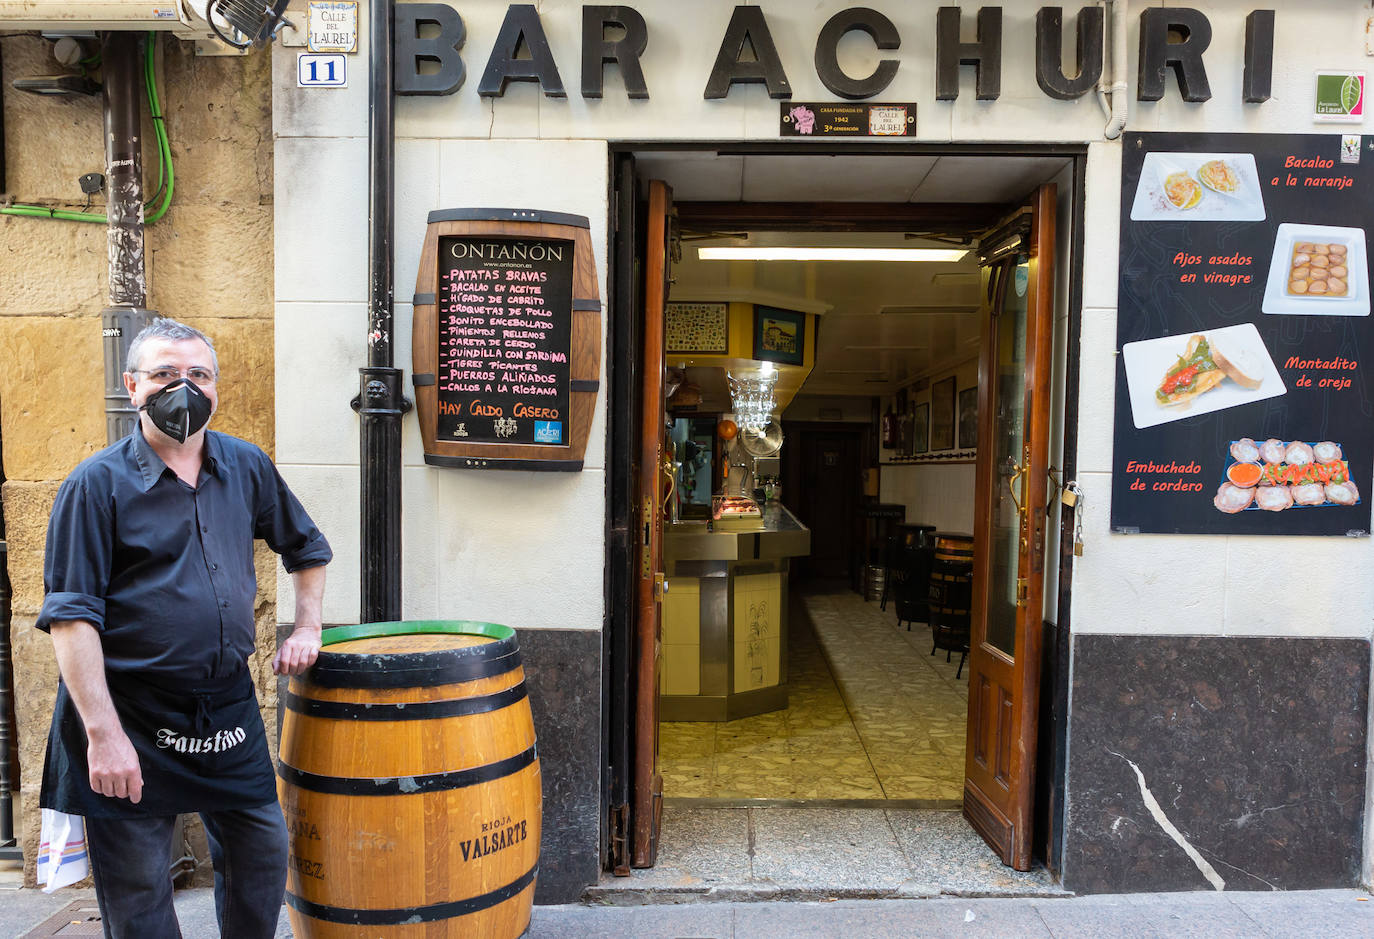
point(912, 405)
point(824, 489)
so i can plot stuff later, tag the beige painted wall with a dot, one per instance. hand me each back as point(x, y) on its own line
point(209, 264)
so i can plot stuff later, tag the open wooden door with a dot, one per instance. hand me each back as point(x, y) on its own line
point(651, 583)
point(1009, 530)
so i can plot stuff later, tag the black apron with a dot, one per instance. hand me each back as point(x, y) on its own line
point(201, 747)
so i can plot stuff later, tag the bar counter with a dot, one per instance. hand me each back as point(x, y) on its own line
point(725, 617)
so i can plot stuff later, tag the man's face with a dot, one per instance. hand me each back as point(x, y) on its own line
point(170, 356)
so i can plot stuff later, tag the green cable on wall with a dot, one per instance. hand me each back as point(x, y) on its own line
point(165, 176)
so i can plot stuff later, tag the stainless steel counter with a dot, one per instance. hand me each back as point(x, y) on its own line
point(725, 617)
point(781, 536)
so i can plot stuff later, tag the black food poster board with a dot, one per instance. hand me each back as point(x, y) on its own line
point(1243, 316)
point(505, 332)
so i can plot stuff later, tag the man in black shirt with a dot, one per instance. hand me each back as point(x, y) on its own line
point(150, 591)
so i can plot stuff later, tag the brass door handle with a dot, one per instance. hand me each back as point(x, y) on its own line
point(667, 468)
point(1011, 484)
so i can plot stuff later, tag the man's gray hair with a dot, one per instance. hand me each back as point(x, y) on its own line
point(166, 328)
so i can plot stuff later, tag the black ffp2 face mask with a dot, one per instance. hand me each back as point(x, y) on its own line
point(178, 409)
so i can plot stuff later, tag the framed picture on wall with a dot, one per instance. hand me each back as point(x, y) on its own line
point(942, 414)
point(968, 418)
point(702, 328)
point(920, 428)
point(779, 335)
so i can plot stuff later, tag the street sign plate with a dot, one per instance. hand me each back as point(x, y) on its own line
point(321, 71)
point(332, 26)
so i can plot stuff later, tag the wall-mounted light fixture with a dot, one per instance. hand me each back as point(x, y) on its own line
point(244, 24)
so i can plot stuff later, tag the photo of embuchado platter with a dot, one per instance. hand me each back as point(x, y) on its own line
point(1303, 270)
point(1198, 187)
point(1174, 377)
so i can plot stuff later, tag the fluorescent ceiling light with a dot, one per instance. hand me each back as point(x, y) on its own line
point(940, 310)
point(831, 254)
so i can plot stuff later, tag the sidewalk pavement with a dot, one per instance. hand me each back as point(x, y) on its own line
point(1328, 914)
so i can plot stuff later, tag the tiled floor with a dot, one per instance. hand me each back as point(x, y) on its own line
point(887, 724)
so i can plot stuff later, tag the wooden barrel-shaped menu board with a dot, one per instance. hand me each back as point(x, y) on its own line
point(507, 339)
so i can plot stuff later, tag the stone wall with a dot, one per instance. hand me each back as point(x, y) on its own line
point(209, 263)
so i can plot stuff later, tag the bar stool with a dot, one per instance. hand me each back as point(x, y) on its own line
point(951, 597)
point(909, 570)
point(879, 518)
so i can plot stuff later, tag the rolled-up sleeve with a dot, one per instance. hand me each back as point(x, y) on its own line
point(287, 528)
point(76, 568)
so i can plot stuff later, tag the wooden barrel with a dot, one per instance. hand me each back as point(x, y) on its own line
point(951, 587)
point(954, 548)
point(410, 783)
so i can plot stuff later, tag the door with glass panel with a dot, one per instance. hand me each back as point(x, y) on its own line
point(1009, 529)
point(652, 481)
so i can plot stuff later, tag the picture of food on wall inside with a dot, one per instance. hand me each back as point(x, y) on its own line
point(1243, 317)
point(1318, 270)
point(1174, 377)
point(1198, 187)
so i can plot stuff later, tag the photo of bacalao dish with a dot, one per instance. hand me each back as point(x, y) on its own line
point(1275, 475)
point(1198, 187)
point(1174, 377)
point(1318, 270)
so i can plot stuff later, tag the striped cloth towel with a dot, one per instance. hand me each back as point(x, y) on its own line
point(62, 857)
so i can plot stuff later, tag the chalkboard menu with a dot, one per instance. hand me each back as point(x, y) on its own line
point(1243, 316)
point(505, 330)
point(507, 339)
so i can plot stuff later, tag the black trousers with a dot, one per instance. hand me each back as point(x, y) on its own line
point(133, 883)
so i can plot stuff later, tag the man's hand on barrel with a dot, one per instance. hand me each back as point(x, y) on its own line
point(298, 652)
point(301, 648)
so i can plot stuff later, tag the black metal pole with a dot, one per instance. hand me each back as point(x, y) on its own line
point(380, 403)
point(126, 315)
point(123, 168)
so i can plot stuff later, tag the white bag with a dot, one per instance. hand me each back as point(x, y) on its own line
point(62, 857)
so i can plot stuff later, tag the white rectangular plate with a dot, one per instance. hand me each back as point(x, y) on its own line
point(1151, 205)
point(1277, 299)
point(1148, 360)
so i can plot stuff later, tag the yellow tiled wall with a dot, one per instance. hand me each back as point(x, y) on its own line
point(758, 631)
point(682, 637)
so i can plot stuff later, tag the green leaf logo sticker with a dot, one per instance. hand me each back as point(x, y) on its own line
point(1339, 97)
point(1350, 94)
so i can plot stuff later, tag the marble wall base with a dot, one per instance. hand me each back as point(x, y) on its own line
point(563, 671)
point(1252, 749)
